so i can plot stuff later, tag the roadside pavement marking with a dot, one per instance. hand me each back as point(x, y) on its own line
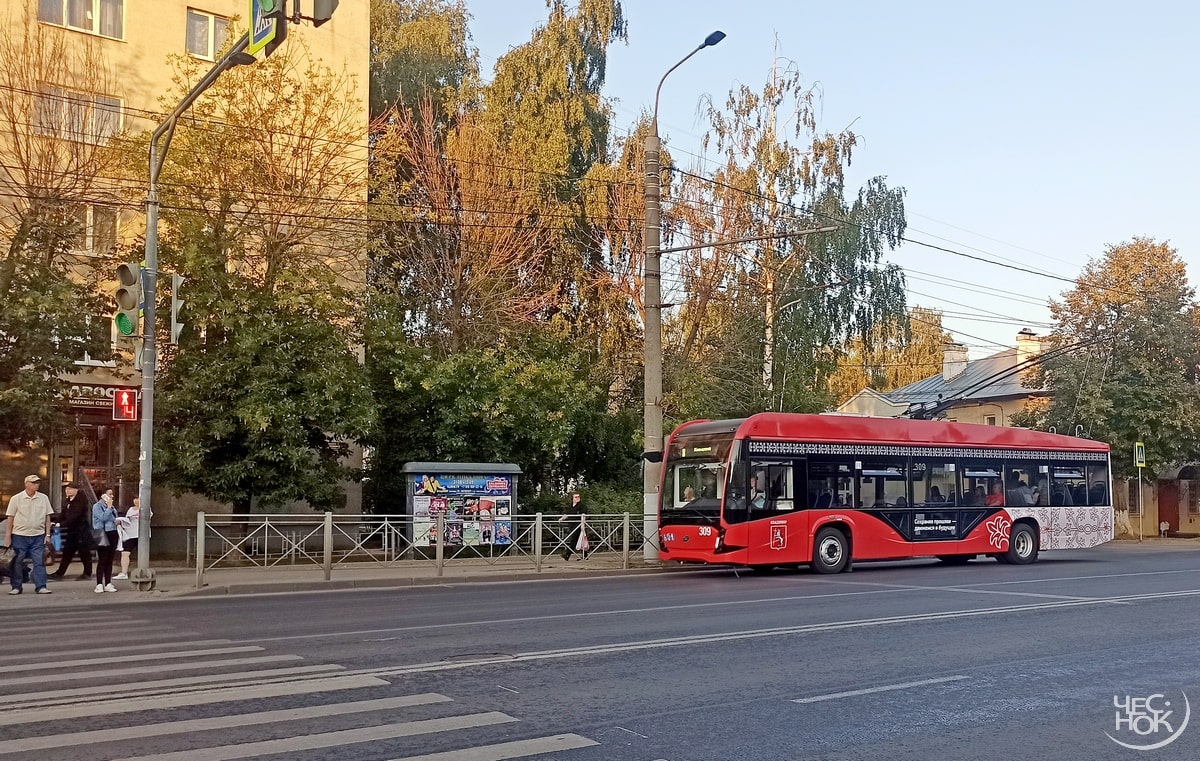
point(185, 726)
point(331, 739)
point(39, 650)
point(703, 639)
point(86, 636)
point(220, 695)
point(884, 688)
point(50, 665)
point(83, 676)
point(514, 749)
point(73, 694)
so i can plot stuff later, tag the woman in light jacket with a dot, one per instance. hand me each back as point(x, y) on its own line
point(127, 528)
point(104, 531)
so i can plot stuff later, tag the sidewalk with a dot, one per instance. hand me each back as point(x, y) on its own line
point(176, 581)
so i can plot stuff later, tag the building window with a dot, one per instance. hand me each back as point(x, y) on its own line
point(989, 420)
point(1135, 505)
point(79, 116)
point(97, 228)
point(103, 17)
point(205, 34)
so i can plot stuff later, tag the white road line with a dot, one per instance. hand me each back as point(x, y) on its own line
point(83, 676)
point(74, 626)
point(40, 649)
point(125, 658)
point(216, 722)
point(82, 637)
point(72, 694)
point(221, 695)
point(331, 739)
point(514, 749)
point(884, 688)
point(702, 639)
point(881, 589)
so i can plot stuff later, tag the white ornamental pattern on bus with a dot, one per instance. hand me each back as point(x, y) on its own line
point(1070, 527)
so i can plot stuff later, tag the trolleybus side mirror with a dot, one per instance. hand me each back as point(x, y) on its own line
point(652, 456)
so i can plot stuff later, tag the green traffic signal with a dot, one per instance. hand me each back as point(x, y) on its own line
point(268, 6)
point(128, 297)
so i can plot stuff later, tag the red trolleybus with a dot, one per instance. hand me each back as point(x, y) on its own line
point(785, 489)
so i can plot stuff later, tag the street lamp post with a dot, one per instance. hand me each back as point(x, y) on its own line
point(143, 576)
point(652, 342)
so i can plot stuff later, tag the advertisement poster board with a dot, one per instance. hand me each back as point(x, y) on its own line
point(476, 508)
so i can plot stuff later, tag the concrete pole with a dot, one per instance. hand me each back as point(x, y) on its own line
point(652, 341)
point(652, 420)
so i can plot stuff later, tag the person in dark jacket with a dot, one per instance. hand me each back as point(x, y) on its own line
point(75, 520)
point(577, 539)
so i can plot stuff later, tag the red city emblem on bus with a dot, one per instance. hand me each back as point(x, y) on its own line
point(125, 405)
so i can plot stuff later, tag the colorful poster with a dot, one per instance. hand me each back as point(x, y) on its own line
point(463, 485)
point(476, 509)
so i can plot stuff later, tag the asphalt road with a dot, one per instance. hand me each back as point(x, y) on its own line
point(909, 660)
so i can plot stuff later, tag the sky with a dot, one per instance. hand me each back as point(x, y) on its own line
point(1030, 134)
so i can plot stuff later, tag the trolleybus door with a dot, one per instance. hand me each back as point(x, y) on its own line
point(778, 520)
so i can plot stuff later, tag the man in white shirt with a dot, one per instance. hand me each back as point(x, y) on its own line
point(26, 530)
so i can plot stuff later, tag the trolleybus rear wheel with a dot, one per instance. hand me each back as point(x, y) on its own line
point(1022, 545)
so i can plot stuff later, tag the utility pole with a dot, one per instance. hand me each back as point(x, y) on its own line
point(652, 340)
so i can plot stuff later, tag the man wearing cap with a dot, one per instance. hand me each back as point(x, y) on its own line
point(76, 522)
point(26, 530)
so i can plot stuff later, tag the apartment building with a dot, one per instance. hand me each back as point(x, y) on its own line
point(95, 71)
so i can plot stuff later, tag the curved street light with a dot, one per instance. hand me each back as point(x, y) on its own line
point(652, 341)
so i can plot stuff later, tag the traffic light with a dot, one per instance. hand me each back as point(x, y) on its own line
point(125, 406)
point(176, 306)
point(129, 298)
point(275, 12)
point(323, 11)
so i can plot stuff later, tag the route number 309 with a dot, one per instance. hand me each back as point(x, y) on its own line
point(705, 531)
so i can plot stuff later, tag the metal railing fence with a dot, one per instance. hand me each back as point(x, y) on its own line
point(356, 541)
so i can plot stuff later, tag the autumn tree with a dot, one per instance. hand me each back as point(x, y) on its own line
point(263, 214)
point(419, 53)
point(810, 293)
point(487, 258)
point(53, 152)
point(1129, 365)
point(892, 356)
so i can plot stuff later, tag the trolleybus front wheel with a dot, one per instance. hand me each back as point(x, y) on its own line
point(831, 551)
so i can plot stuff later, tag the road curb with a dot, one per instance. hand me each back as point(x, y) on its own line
point(392, 582)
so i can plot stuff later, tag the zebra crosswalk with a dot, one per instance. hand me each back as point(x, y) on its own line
point(68, 690)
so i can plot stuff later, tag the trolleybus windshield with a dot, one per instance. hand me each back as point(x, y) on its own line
point(695, 476)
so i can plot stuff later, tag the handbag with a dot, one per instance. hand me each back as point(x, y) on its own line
point(100, 537)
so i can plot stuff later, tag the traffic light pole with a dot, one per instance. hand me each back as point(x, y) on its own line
point(143, 576)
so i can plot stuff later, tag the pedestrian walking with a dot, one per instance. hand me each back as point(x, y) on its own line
point(577, 540)
point(105, 537)
point(127, 529)
point(26, 530)
point(75, 522)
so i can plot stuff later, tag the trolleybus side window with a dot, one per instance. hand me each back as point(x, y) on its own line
point(982, 482)
point(772, 487)
point(1068, 483)
point(830, 482)
point(1021, 483)
point(933, 482)
point(1098, 478)
point(882, 482)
